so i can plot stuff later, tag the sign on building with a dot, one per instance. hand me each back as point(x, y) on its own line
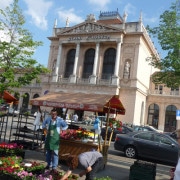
point(178, 114)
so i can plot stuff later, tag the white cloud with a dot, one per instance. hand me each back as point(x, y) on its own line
point(100, 3)
point(130, 9)
point(70, 14)
point(5, 3)
point(38, 10)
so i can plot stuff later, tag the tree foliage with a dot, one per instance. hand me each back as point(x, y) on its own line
point(17, 67)
point(168, 35)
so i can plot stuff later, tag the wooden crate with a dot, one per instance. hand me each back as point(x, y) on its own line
point(74, 148)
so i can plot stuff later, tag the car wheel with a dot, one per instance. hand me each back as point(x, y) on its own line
point(130, 152)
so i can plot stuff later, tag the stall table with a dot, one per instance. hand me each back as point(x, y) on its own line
point(74, 147)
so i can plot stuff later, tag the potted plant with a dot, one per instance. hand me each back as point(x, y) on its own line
point(83, 135)
point(69, 134)
point(34, 167)
point(11, 149)
point(72, 134)
point(55, 175)
point(10, 169)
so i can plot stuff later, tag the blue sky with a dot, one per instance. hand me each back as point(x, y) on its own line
point(41, 14)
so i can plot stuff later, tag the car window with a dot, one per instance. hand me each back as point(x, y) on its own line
point(136, 128)
point(145, 136)
point(123, 130)
point(145, 129)
point(162, 139)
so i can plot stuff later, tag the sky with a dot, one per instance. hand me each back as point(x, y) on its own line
point(40, 16)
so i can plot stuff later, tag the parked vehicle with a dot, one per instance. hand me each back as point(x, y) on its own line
point(125, 129)
point(145, 128)
point(152, 146)
point(172, 134)
point(3, 107)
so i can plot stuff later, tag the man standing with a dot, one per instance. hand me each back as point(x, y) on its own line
point(52, 127)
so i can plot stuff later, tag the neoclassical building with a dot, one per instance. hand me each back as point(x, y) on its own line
point(108, 56)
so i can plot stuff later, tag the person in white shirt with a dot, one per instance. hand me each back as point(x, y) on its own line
point(38, 119)
point(75, 118)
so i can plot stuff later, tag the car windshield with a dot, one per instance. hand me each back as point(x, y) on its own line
point(153, 128)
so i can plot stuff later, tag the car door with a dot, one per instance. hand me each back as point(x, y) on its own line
point(144, 144)
point(167, 149)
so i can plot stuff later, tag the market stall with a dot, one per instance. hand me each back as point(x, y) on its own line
point(8, 98)
point(104, 103)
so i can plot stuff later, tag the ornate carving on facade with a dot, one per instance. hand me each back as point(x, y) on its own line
point(91, 17)
point(127, 70)
point(67, 22)
point(125, 17)
point(89, 27)
point(54, 67)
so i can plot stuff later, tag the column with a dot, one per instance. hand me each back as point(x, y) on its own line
point(73, 77)
point(20, 101)
point(116, 71)
point(115, 77)
point(93, 77)
point(56, 74)
point(161, 120)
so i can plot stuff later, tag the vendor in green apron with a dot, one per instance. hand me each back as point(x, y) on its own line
point(51, 127)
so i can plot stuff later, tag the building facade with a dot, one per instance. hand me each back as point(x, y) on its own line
point(108, 56)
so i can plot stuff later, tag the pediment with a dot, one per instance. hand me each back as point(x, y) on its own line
point(89, 27)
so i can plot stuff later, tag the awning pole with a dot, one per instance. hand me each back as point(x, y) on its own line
point(107, 123)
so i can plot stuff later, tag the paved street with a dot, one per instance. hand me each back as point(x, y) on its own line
point(117, 167)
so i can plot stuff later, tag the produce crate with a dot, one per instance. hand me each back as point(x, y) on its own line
point(142, 170)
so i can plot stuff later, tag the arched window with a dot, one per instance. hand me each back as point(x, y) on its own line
point(170, 118)
point(69, 63)
point(88, 63)
point(109, 63)
point(25, 102)
point(153, 115)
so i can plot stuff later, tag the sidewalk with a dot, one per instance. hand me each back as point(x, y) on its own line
point(114, 169)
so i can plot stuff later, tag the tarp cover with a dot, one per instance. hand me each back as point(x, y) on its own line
point(81, 101)
point(8, 98)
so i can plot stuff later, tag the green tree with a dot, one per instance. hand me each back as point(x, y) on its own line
point(17, 67)
point(168, 35)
